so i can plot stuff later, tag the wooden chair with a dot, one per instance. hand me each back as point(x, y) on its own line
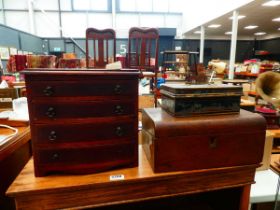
point(104, 47)
point(143, 53)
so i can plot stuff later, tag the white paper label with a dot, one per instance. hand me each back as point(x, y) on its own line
point(6, 99)
point(117, 177)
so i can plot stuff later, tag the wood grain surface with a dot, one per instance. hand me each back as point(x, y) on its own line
point(14, 154)
point(140, 183)
point(191, 143)
point(96, 108)
point(15, 142)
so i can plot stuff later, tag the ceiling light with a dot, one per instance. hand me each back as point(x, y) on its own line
point(278, 29)
point(276, 19)
point(260, 33)
point(251, 27)
point(197, 32)
point(239, 17)
point(228, 33)
point(214, 26)
point(272, 3)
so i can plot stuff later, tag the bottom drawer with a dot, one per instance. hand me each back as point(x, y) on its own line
point(85, 160)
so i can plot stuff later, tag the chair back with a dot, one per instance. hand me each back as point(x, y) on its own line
point(103, 43)
point(143, 49)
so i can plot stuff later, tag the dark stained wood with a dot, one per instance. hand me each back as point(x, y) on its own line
point(214, 200)
point(83, 122)
point(140, 50)
point(142, 46)
point(201, 142)
point(80, 74)
point(139, 184)
point(245, 198)
point(55, 110)
point(14, 154)
point(101, 88)
point(85, 159)
point(102, 37)
point(116, 130)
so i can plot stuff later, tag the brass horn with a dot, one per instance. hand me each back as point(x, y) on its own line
point(268, 87)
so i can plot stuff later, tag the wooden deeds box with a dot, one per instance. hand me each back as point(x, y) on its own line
point(186, 100)
point(83, 121)
point(202, 142)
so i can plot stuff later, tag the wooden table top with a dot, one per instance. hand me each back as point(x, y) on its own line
point(245, 102)
point(13, 143)
point(235, 81)
point(139, 183)
point(275, 132)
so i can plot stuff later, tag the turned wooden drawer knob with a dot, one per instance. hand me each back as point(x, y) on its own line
point(119, 109)
point(55, 156)
point(119, 131)
point(48, 91)
point(118, 89)
point(52, 136)
point(51, 112)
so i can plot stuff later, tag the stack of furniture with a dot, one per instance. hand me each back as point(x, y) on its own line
point(200, 129)
point(202, 162)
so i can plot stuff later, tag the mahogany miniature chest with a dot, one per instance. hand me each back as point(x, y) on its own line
point(202, 142)
point(83, 121)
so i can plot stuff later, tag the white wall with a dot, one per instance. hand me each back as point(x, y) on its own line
point(1, 14)
point(195, 13)
point(18, 20)
point(47, 25)
point(198, 12)
point(74, 24)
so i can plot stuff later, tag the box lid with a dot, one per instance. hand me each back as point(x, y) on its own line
point(160, 124)
point(206, 90)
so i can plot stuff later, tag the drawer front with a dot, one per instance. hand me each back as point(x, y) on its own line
point(84, 109)
point(202, 151)
point(94, 155)
point(85, 88)
point(85, 132)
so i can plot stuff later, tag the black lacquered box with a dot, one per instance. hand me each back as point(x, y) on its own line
point(187, 100)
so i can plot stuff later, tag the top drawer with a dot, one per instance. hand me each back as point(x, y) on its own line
point(84, 88)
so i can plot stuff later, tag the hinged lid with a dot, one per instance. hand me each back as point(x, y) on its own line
point(160, 124)
point(211, 90)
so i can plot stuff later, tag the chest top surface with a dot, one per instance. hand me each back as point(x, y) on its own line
point(160, 123)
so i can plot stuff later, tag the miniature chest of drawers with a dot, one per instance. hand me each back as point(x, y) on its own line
point(83, 121)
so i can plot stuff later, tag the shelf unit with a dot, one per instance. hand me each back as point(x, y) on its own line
point(176, 59)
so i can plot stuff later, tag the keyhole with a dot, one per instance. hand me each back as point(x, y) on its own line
point(213, 142)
